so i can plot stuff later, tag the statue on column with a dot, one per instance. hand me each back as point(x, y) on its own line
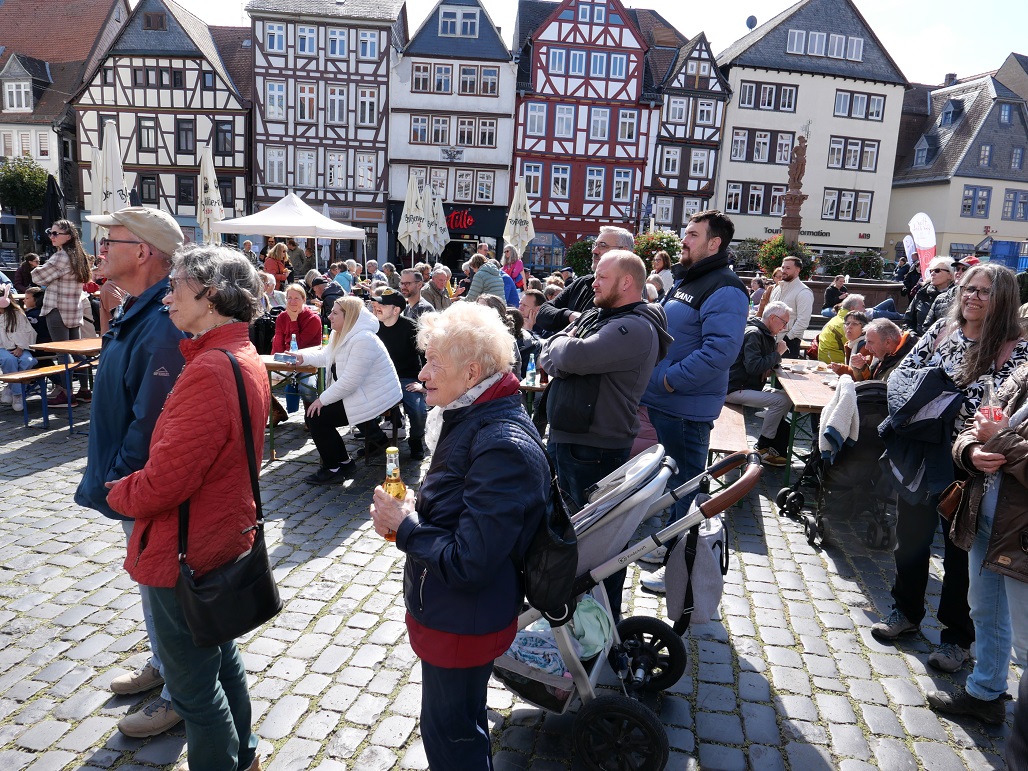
point(794, 197)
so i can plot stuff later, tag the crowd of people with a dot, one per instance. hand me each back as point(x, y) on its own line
point(634, 355)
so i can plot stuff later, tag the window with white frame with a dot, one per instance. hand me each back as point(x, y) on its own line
point(448, 22)
point(855, 49)
point(275, 165)
point(487, 132)
point(593, 183)
point(306, 101)
point(783, 148)
point(463, 185)
point(869, 156)
point(335, 169)
point(852, 158)
point(690, 68)
point(183, 125)
point(740, 138)
point(147, 129)
point(858, 106)
point(365, 170)
point(761, 146)
point(442, 78)
point(576, 63)
point(690, 207)
point(489, 85)
point(336, 43)
point(465, 132)
point(842, 103)
point(336, 104)
point(921, 154)
point(846, 200)
point(837, 46)
point(43, 144)
point(418, 129)
point(367, 44)
point(557, 58)
point(564, 121)
point(733, 198)
point(306, 40)
point(676, 110)
point(836, 150)
point(7, 143)
point(585, 12)
point(598, 64)
point(367, 106)
point(755, 200)
point(628, 122)
point(275, 37)
point(863, 210)
point(830, 205)
point(797, 41)
point(599, 14)
point(704, 68)
point(671, 161)
point(767, 97)
point(816, 43)
point(1004, 113)
point(275, 103)
point(468, 80)
point(438, 179)
point(777, 200)
point(747, 94)
point(440, 130)
point(705, 112)
point(420, 175)
point(532, 174)
point(469, 27)
point(306, 165)
point(599, 123)
point(421, 78)
point(698, 165)
point(560, 181)
point(875, 107)
point(663, 209)
point(618, 66)
point(622, 184)
point(18, 96)
point(787, 98)
point(535, 125)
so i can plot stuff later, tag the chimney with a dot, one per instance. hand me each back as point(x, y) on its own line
point(950, 79)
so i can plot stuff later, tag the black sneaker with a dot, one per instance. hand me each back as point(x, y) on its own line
point(960, 702)
point(324, 476)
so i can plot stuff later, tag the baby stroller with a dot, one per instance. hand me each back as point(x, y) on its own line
point(616, 731)
point(851, 485)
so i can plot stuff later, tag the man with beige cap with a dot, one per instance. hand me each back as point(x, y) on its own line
point(139, 365)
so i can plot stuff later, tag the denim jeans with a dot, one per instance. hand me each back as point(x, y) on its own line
point(686, 442)
point(886, 309)
point(454, 725)
point(208, 689)
point(11, 363)
point(987, 597)
point(144, 596)
point(416, 408)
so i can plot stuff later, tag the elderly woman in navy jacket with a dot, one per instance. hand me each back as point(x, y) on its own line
point(478, 507)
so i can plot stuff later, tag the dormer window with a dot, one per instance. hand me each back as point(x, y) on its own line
point(947, 117)
point(18, 96)
point(155, 21)
point(921, 153)
point(950, 113)
point(458, 22)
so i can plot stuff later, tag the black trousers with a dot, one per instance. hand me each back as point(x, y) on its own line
point(328, 441)
point(793, 344)
point(916, 527)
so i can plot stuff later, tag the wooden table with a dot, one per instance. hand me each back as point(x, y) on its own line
point(291, 374)
point(87, 347)
point(809, 395)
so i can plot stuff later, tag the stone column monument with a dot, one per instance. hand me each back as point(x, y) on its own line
point(794, 197)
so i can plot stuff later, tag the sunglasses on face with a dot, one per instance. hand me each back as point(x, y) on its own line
point(54, 233)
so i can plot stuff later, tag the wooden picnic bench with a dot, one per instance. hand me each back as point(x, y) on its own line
point(728, 434)
point(33, 382)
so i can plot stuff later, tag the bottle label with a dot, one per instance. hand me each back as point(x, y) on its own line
point(390, 469)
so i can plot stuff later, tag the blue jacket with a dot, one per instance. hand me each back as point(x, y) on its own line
point(706, 314)
point(139, 364)
point(510, 290)
point(480, 504)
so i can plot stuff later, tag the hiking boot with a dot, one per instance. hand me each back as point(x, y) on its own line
point(654, 582)
point(324, 476)
point(960, 702)
point(136, 682)
point(895, 625)
point(153, 719)
point(769, 456)
point(949, 657)
point(655, 557)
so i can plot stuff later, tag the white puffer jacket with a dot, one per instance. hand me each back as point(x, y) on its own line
point(366, 380)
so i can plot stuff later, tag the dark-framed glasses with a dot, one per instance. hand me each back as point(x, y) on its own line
point(174, 282)
point(53, 233)
point(983, 292)
point(106, 242)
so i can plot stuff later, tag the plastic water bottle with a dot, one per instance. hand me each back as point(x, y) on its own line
point(292, 392)
point(293, 347)
point(530, 371)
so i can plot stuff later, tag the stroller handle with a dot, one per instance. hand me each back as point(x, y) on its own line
point(739, 489)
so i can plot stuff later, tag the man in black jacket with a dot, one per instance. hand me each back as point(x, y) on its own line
point(577, 297)
point(328, 292)
point(399, 335)
point(940, 277)
point(759, 355)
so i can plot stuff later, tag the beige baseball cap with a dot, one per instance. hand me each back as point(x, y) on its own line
point(155, 227)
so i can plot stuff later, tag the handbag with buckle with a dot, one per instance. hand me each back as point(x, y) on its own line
point(240, 595)
point(955, 498)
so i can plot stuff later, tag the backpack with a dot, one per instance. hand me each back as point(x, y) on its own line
point(262, 331)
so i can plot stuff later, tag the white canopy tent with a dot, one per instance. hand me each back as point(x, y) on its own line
point(290, 217)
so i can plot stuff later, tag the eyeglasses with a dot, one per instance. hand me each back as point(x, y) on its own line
point(408, 283)
point(983, 292)
point(52, 233)
point(106, 242)
point(960, 268)
point(939, 270)
point(601, 245)
point(172, 282)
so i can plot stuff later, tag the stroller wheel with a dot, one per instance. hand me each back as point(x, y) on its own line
point(612, 733)
point(824, 531)
point(810, 529)
point(794, 501)
point(657, 656)
point(782, 497)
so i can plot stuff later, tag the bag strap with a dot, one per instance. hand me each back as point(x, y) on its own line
point(691, 541)
point(251, 459)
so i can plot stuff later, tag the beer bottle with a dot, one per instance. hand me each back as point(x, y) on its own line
point(393, 484)
point(324, 335)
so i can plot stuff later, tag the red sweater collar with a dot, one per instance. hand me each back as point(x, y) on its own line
point(505, 386)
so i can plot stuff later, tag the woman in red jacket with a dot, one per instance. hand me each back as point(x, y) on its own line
point(197, 453)
point(300, 320)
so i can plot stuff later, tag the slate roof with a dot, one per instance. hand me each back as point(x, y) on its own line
point(488, 46)
point(765, 45)
point(36, 69)
point(65, 78)
point(27, 26)
point(372, 10)
point(531, 15)
point(238, 59)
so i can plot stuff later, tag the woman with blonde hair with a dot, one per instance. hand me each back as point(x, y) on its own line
point(277, 264)
point(513, 266)
point(361, 385)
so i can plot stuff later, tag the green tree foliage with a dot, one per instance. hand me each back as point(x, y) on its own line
point(580, 256)
point(774, 250)
point(867, 264)
point(648, 244)
point(22, 185)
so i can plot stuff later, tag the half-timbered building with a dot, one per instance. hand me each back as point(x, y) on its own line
point(819, 70)
point(451, 108)
point(321, 97)
point(165, 84)
point(684, 161)
point(583, 120)
point(38, 71)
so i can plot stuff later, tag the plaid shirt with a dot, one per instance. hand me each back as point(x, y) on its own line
point(63, 290)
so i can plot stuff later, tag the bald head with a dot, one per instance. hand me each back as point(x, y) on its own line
point(619, 279)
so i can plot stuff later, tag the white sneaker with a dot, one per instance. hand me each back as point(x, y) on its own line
point(17, 404)
point(655, 557)
point(654, 582)
point(6, 396)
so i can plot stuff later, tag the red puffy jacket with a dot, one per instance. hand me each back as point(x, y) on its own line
point(197, 453)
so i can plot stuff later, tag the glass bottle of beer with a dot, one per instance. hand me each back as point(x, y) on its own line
point(393, 484)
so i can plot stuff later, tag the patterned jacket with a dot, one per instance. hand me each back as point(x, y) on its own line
point(63, 289)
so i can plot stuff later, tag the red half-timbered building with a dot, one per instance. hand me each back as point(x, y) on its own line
point(583, 120)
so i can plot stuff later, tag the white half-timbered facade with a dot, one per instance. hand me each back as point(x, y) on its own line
point(582, 122)
point(684, 161)
point(451, 122)
point(321, 97)
point(165, 84)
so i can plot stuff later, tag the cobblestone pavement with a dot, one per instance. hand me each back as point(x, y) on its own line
point(789, 679)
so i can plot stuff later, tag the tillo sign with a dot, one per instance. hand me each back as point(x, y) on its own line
point(460, 219)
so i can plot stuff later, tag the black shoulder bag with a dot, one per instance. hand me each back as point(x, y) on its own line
point(240, 595)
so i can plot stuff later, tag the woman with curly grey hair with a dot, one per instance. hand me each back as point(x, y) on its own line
point(198, 455)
